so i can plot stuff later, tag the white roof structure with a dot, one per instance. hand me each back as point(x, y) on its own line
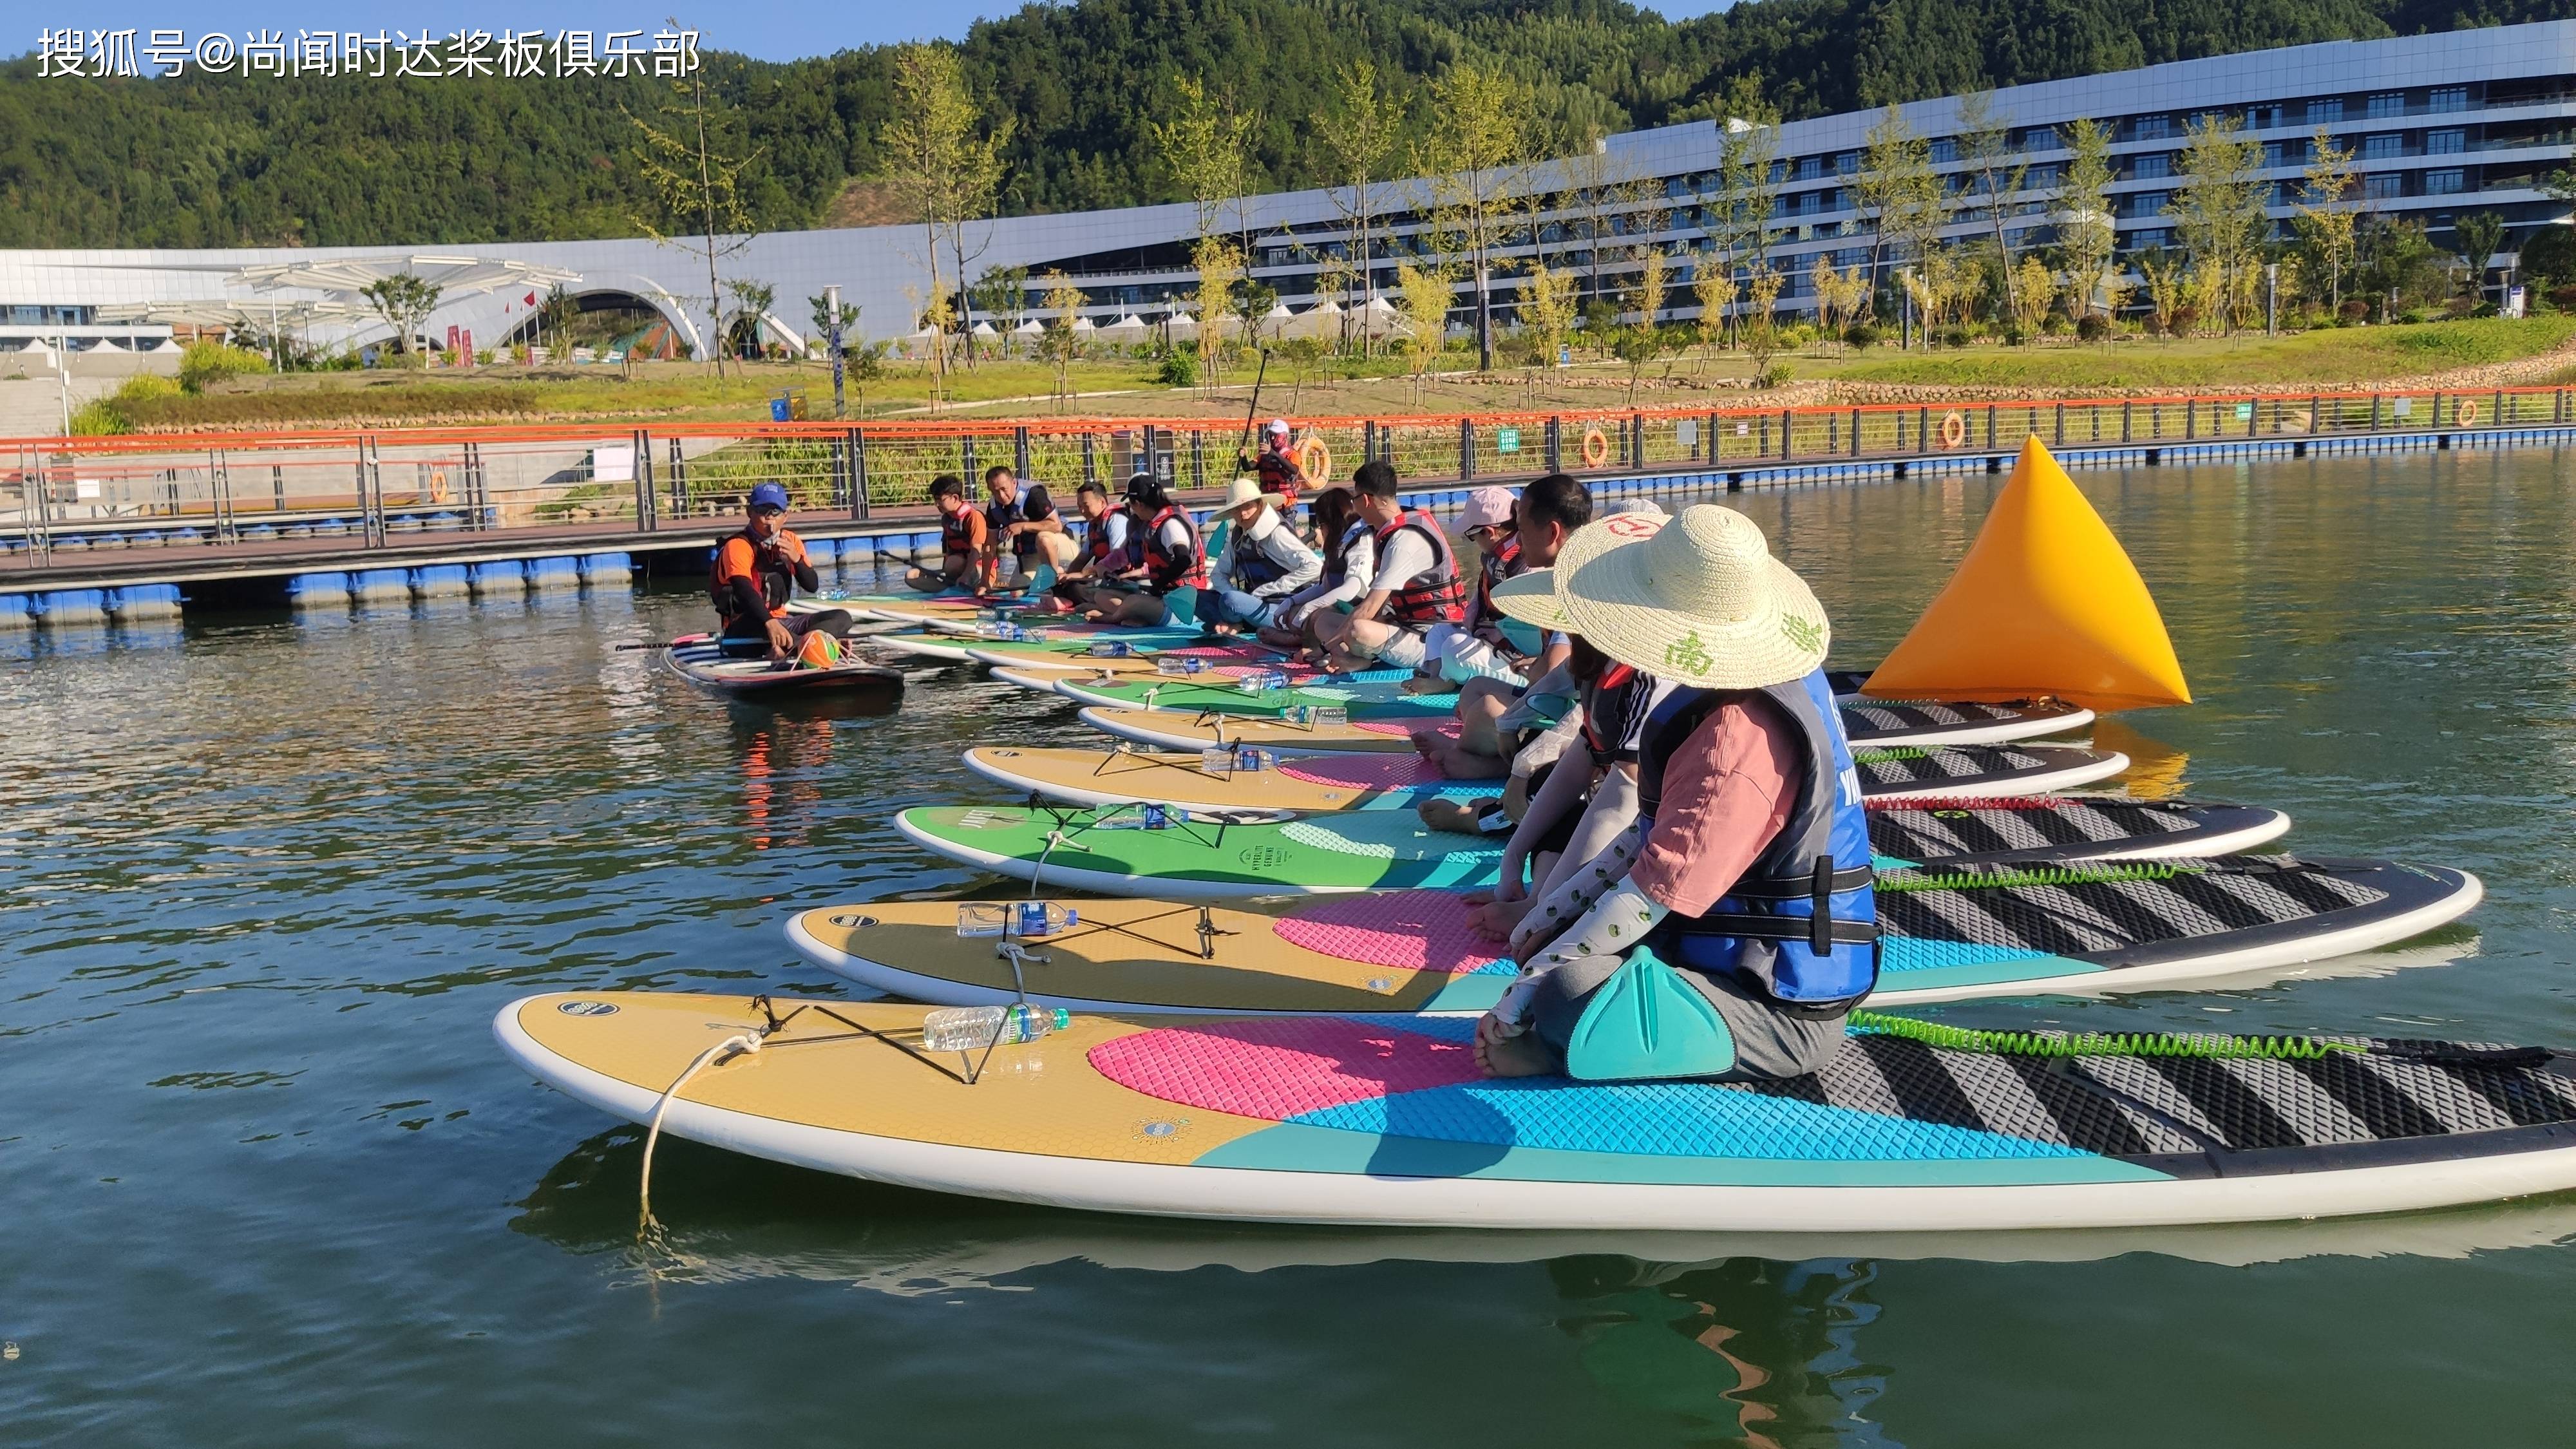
point(1031, 328)
point(207, 313)
point(459, 276)
point(984, 329)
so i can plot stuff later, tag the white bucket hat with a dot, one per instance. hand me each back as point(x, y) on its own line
point(1697, 600)
point(1242, 491)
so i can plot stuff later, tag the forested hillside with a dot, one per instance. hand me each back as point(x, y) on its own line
point(221, 161)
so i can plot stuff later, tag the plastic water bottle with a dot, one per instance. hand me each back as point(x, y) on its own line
point(1112, 649)
point(1145, 817)
point(1236, 759)
point(1315, 715)
point(972, 1028)
point(1041, 918)
point(1262, 681)
point(1167, 664)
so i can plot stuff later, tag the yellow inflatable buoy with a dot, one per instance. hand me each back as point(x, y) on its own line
point(2045, 603)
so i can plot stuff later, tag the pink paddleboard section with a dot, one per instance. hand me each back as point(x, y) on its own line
point(1366, 772)
point(1413, 930)
point(1275, 1069)
point(1447, 729)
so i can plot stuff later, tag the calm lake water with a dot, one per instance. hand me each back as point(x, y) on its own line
point(265, 1178)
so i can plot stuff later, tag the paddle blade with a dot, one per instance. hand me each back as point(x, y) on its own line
point(2046, 602)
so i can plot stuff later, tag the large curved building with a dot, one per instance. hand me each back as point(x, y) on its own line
point(2466, 120)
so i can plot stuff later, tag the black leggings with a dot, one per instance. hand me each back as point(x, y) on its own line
point(754, 643)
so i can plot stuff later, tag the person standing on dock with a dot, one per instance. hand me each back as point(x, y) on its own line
point(1279, 472)
point(756, 572)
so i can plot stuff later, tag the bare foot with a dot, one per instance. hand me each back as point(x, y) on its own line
point(1515, 1056)
point(1499, 919)
point(1456, 816)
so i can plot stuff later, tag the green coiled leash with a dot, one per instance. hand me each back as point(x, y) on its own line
point(2096, 1043)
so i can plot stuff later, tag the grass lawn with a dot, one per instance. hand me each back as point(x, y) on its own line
point(1001, 389)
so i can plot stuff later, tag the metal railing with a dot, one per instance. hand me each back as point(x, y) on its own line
point(376, 487)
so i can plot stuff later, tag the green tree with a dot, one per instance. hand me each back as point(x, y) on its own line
point(1478, 147)
point(2218, 211)
point(1060, 345)
point(404, 301)
point(943, 170)
point(1748, 144)
point(2324, 221)
point(1357, 134)
point(2475, 238)
point(697, 177)
point(1906, 202)
point(1202, 145)
point(2087, 236)
point(1996, 173)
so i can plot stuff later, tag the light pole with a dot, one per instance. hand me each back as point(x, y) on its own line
point(832, 335)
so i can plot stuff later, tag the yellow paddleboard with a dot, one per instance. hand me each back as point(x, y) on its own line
point(2045, 604)
point(1167, 729)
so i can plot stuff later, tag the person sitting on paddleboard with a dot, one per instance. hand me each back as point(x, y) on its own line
point(1021, 520)
point(1746, 884)
point(1503, 693)
point(1103, 556)
point(756, 572)
point(1416, 585)
point(1262, 564)
point(1278, 470)
point(963, 554)
point(1171, 561)
point(1347, 551)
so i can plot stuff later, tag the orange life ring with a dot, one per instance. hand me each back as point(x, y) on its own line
point(1954, 429)
point(2465, 414)
point(1316, 460)
point(1596, 448)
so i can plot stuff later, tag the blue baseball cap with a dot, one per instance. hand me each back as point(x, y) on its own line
point(769, 495)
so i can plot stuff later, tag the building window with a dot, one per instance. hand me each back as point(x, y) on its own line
point(2147, 203)
point(2152, 166)
point(2273, 154)
point(2383, 148)
point(1810, 167)
point(2387, 103)
point(2325, 112)
point(2383, 187)
point(2262, 118)
point(1847, 164)
point(2041, 178)
point(2445, 143)
point(2154, 236)
point(1944, 151)
point(2151, 128)
point(2445, 182)
point(2449, 98)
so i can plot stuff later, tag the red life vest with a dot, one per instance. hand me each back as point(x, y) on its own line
point(956, 533)
point(1434, 596)
point(1167, 569)
point(1105, 558)
point(1495, 567)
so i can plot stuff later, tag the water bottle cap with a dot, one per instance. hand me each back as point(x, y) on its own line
point(1063, 1018)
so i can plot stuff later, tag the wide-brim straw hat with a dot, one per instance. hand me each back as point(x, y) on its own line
point(1242, 491)
point(1530, 596)
point(1696, 600)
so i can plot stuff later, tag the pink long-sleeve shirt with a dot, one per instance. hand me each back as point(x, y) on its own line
point(1727, 794)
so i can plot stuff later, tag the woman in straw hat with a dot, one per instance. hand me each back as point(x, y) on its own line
point(1731, 933)
point(1264, 562)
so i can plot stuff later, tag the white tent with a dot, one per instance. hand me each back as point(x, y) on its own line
point(1129, 328)
point(1031, 328)
point(1085, 326)
point(1183, 326)
point(1379, 318)
point(984, 329)
point(1324, 321)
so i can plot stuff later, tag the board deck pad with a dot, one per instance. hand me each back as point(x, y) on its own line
point(1402, 781)
point(1175, 729)
point(1951, 934)
point(1333, 1118)
point(1111, 848)
point(702, 661)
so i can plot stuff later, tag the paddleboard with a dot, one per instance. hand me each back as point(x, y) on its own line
point(1952, 933)
point(1867, 726)
point(1310, 784)
point(1336, 1120)
point(1220, 659)
point(698, 659)
point(1376, 694)
point(1146, 850)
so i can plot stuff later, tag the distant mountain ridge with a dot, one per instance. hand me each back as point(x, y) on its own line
point(225, 161)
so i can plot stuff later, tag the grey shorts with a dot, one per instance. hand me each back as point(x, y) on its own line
point(1770, 1041)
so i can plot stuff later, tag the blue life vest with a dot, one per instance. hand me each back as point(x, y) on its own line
point(1802, 922)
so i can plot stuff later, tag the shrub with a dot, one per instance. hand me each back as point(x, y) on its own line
point(1181, 369)
point(2184, 318)
point(1860, 336)
point(2014, 336)
point(2092, 327)
point(2352, 312)
point(210, 362)
point(2412, 316)
point(1775, 375)
point(97, 418)
point(2055, 324)
point(1954, 337)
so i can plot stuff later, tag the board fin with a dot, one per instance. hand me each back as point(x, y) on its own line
point(2045, 603)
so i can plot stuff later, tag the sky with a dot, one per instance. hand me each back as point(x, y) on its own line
point(769, 29)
